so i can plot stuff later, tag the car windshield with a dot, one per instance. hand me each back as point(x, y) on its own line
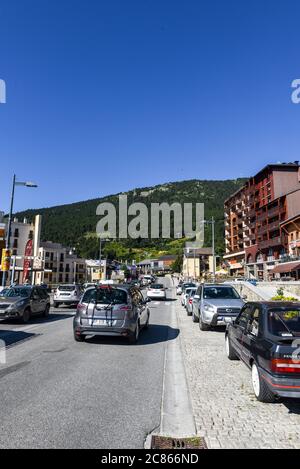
point(283, 322)
point(216, 293)
point(188, 291)
point(105, 296)
point(16, 292)
point(67, 287)
point(157, 287)
point(188, 285)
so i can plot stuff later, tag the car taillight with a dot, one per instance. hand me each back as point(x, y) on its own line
point(125, 308)
point(81, 308)
point(190, 301)
point(279, 365)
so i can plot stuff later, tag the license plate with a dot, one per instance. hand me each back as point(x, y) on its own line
point(102, 322)
point(228, 319)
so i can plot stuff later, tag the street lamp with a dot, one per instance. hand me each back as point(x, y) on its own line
point(14, 184)
point(100, 255)
point(212, 223)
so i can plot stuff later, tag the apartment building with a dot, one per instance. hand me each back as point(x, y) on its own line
point(21, 233)
point(255, 242)
point(59, 264)
point(197, 263)
point(290, 264)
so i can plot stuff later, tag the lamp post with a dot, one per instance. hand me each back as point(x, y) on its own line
point(100, 256)
point(212, 222)
point(14, 184)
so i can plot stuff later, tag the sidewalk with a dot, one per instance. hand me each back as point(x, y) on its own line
point(226, 411)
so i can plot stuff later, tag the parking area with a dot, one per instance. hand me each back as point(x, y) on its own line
point(226, 411)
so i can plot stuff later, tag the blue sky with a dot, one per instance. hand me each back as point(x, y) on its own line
point(105, 96)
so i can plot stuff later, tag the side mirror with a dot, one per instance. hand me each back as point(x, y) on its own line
point(196, 297)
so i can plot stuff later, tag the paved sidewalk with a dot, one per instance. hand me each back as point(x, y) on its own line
point(226, 411)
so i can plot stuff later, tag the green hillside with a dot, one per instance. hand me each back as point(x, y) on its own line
point(75, 224)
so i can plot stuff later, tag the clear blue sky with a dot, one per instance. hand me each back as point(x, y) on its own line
point(105, 96)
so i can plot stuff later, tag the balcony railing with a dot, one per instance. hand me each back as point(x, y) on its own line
point(277, 241)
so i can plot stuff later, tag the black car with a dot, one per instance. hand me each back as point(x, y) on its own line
point(266, 337)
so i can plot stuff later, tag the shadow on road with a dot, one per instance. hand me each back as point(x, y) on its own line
point(156, 333)
point(38, 320)
point(293, 405)
point(15, 337)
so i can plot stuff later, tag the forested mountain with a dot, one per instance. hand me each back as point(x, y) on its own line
point(75, 224)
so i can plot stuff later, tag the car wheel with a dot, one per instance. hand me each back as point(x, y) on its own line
point(230, 352)
point(188, 312)
point(261, 390)
point(202, 325)
point(56, 305)
point(134, 337)
point(46, 312)
point(26, 316)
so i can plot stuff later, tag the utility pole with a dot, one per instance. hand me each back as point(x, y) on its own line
point(12, 197)
point(213, 247)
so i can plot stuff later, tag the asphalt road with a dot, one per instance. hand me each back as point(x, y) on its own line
point(104, 393)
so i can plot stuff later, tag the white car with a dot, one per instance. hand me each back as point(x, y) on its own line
point(147, 280)
point(185, 295)
point(157, 291)
point(67, 295)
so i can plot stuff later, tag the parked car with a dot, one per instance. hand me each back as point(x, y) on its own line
point(107, 310)
point(179, 288)
point(147, 280)
point(189, 301)
point(266, 337)
point(23, 302)
point(216, 305)
point(157, 291)
point(67, 295)
point(186, 292)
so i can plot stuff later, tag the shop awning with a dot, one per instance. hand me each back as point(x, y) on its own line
point(236, 266)
point(286, 267)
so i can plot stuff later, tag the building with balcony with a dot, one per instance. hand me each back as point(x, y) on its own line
point(197, 263)
point(21, 233)
point(289, 264)
point(59, 264)
point(254, 239)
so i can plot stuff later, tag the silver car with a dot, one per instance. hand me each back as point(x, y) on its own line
point(216, 305)
point(22, 302)
point(107, 310)
point(189, 301)
point(67, 295)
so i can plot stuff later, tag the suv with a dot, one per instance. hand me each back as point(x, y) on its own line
point(119, 310)
point(22, 302)
point(67, 295)
point(216, 305)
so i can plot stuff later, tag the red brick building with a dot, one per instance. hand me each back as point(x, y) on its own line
point(254, 240)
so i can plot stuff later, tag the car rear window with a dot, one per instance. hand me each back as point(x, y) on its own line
point(66, 288)
point(215, 293)
point(105, 296)
point(157, 287)
point(283, 322)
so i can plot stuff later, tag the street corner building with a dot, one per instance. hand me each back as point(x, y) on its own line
point(262, 224)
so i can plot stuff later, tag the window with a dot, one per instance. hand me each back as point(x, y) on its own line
point(15, 244)
point(105, 296)
point(220, 293)
point(253, 325)
point(283, 322)
point(243, 318)
point(16, 233)
point(30, 235)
